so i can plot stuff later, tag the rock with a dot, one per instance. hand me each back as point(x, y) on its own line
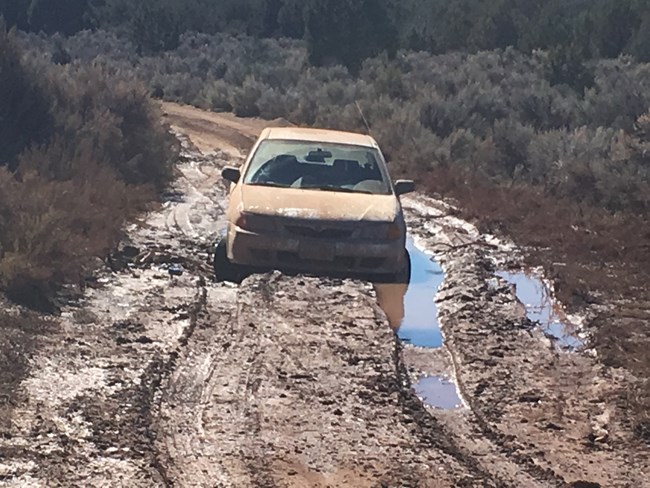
point(175, 270)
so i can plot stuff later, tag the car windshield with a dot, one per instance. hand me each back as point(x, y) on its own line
point(318, 166)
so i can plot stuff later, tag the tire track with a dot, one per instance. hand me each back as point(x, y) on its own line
point(274, 355)
point(295, 386)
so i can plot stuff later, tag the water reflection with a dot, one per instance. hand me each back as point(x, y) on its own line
point(411, 309)
point(412, 312)
point(438, 392)
point(534, 294)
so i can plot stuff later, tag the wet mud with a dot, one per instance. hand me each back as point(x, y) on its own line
point(438, 392)
point(412, 312)
point(411, 308)
point(160, 377)
point(293, 382)
point(541, 308)
point(553, 411)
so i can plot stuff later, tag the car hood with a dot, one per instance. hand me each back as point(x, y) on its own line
point(317, 204)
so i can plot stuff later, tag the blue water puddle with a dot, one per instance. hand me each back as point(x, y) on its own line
point(413, 314)
point(420, 326)
point(410, 308)
point(438, 392)
point(540, 307)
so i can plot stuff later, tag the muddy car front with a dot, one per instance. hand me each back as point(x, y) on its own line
point(328, 232)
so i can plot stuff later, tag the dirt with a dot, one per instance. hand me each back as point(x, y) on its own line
point(159, 376)
point(554, 412)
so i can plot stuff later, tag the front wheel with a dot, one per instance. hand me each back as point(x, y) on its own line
point(224, 269)
point(401, 277)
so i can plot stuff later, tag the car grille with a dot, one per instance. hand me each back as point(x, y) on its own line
point(371, 263)
point(322, 233)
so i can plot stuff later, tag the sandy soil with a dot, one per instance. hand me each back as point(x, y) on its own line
point(154, 379)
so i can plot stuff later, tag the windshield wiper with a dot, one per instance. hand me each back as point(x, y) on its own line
point(336, 188)
point(268, 183)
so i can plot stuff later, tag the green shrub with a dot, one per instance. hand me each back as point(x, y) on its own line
point(215, 96)
point(273, 104)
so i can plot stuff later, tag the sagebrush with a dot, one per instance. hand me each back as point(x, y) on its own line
point(83, 150)
point(497, 114)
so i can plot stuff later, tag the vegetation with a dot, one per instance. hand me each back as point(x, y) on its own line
point(348, 31)
point(534, 114)
point(500, 115)
point(80, 152)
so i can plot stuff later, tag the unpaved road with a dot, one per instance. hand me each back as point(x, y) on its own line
point(161, 380)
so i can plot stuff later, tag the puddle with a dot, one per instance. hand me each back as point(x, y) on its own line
point(540, 307)
point(438, 392)
point(413, 314)
point(411, 309)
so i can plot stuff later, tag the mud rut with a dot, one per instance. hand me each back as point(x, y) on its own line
point(160, 380)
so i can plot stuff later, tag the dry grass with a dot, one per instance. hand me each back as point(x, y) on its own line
point(52, 230)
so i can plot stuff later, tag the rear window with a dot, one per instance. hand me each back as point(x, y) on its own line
point(318, 166)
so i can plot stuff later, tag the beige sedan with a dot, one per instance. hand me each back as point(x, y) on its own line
point(315, 201)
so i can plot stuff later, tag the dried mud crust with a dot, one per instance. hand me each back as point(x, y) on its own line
point(295, 382)
point(554, 414)
point(88, 402)
point(156, 379)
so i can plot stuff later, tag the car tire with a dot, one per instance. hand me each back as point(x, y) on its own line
point(224, 269)
point(401, 277)
point(404, 276)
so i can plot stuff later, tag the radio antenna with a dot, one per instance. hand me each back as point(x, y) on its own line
point(363, 117)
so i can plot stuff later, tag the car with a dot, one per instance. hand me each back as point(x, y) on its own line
point(314, 201)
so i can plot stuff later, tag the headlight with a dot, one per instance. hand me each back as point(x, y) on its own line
point(381, 231)
point(255, 222)
point(394, 231)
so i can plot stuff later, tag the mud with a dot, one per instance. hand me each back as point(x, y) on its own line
point(410, 308)
point(412, 312)
point(161, 377)
point(542, 308)
point(553, 412)
point(293, 382)
point(438, 392)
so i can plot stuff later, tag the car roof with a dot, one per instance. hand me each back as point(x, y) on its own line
point(318, 135)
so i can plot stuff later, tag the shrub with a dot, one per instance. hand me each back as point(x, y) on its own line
point(215, 96)
point(274, 104)
point(621, 94)
point(566, 66)
point(25, 110)
point(503, 105)
point(96, 158)
point(51, 229)
point(245, 97)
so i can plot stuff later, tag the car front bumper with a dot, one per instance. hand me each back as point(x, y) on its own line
point(299, 253)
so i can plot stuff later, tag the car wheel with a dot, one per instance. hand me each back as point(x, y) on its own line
point(404, 276)
point(224, 269)
point(401, 277)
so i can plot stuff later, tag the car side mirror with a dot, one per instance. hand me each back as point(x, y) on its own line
point(231, 173)
point(404, 186)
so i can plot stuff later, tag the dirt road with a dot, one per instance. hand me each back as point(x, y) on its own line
point(161, 377)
